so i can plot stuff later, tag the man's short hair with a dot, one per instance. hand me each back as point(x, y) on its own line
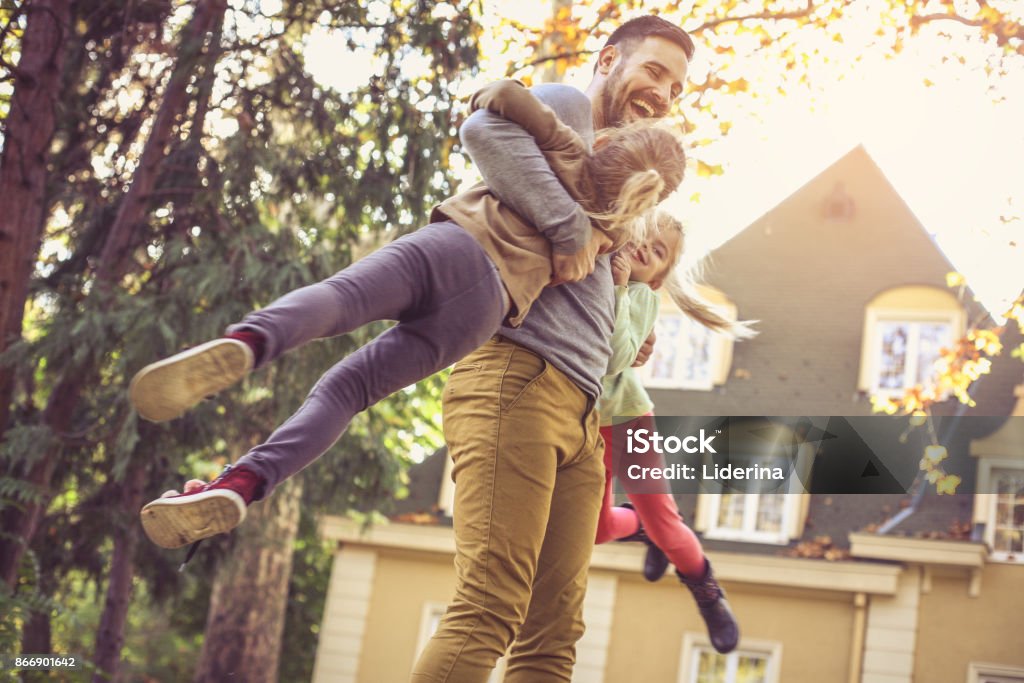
point(636, 30)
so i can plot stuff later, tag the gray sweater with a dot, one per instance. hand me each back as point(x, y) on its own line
point(569, 325)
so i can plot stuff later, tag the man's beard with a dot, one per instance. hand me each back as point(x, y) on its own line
point(614, 100)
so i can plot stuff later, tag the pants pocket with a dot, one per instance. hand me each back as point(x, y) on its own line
point(522, 376)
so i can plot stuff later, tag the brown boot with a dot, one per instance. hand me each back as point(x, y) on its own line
point(714, 608)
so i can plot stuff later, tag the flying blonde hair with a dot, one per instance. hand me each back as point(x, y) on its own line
point(681, 288)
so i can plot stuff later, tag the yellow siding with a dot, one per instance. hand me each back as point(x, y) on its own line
point(403, 583)
point(955, 629)
point(815, 629)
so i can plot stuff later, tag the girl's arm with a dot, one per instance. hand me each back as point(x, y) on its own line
point(512, 101)
point(636, 310)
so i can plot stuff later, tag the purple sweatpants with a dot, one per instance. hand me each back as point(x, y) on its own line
point(448, 299)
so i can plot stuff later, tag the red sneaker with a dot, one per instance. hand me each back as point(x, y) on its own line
point(178, 519)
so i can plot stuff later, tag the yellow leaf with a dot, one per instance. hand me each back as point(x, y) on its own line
point(928, 83)
point(954, 279)
point(739, 85)
point(935, 454)
point(725, 127)
point(881, 404)
point(706, 170)
point(947, 485)
point(987, 341)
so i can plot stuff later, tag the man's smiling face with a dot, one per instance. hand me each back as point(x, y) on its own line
point(644, 82)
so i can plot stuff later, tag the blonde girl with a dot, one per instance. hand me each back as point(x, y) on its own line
point(651, 515)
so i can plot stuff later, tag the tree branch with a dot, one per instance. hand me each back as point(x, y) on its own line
point(543, 60)
point(927, 18)
point(795, 14)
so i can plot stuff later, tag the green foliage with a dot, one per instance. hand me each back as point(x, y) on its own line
point(18, 607)
point(270, 182)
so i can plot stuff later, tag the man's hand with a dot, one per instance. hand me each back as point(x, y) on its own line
point(620, 270)
point(646, 349)
point(576, 267)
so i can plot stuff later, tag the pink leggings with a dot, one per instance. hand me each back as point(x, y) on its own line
point(657, 511)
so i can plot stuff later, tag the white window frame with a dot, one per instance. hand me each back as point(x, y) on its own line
point(710, 506)
point(986, 488)
point(446, 496)
point(876, 318)
point(715, 351)
point(429, 619)
point(979, 672)
point(693, 642)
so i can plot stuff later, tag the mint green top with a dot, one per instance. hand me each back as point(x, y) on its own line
point(623, 395)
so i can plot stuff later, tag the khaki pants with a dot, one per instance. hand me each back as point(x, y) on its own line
point(529, 480)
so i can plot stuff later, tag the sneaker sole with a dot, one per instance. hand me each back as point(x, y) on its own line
point(177, 521)
point(164, 390)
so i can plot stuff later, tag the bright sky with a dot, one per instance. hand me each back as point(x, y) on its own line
point(952, 152)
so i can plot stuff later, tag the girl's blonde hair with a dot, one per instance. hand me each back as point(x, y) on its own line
point(632, 170)
point(681, 288)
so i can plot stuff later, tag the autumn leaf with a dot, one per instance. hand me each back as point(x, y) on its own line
point(986, 341)
point(935, 454)
point(947, 484)
point(884, 404)
point(739, 85)
point(705, 170)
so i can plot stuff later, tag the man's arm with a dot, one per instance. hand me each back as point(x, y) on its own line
point(515, 170)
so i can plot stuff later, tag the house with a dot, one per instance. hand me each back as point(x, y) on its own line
point(851, 297)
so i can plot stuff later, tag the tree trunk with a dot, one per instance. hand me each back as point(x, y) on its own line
point(247, 607)
point(20, 525)
point(23, 168)
point(207, 18)
point(110, 636)
point(36, 635)
point(553, 44)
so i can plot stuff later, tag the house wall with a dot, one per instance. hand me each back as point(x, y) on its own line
point(403, 582)
point(815, 629)
point(955, 629)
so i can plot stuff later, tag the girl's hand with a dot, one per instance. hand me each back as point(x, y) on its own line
point(620, 270)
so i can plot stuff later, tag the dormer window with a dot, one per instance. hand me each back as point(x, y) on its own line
point(905, 330)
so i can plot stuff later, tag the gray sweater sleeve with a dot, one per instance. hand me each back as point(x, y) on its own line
point(515, 170)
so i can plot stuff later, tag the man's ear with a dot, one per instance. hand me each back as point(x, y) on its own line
point(607, 59)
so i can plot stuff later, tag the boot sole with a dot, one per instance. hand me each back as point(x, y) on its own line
point(164, 390)
point(180, 520)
